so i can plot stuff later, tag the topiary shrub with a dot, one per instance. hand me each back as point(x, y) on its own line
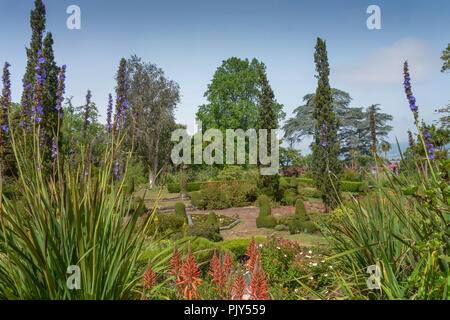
point(180, 210)
point(300, 211)
point(263, 200)
point(293, 183)
point(173, 187)
point(266, 221)
point(213, 222)
point(197, 200)
point(301, 221)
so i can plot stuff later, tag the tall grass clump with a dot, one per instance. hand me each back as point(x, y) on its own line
point(403, 228)
point(67, 216)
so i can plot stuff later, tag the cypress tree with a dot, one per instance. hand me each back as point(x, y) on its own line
point(268, 184)
point(326, 166)
point(51, 70)
point(37, 23)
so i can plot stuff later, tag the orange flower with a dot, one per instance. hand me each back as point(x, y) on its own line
point(258, 284)
point(238, 287)
point(149, 279)
point(190, 276)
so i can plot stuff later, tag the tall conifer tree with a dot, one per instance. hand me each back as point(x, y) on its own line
point(268, 184)
point(326, 166)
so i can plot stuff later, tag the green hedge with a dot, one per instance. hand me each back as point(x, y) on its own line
point(346, 186)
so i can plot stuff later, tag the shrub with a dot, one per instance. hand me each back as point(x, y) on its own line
point(197, 200)
point(351, 175)
point(263, 200)
point(309, 192)
point(350, 186)
point(289, 197)
point(266, 221)
point(180, 210)
point(231, 173)
point(207, 232)
point(213, 222)
point(300, 211)
point(280, 227)
point(215, 198)
point(173, 187)
point(301, 221)
point(293, 183)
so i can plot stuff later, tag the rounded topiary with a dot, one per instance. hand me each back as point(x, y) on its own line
point(180, 210)
point(300, 211)
point(294, 226)
point(308, 226)
point(266, 221)
point(213, 222)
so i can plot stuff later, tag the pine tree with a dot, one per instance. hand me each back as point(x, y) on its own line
point(326, 166)
point(268, 184)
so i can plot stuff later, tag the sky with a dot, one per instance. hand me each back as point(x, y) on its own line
point(190, 39)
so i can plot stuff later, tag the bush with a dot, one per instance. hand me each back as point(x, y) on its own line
point(263, 200)
point(266, 221)
point(215, 198)
point(351, 175)
point(180, 210)
point(289, 197)
point(231, 173)
point(197, 200)
point(350, 186)
point(280, 227)
point(301, 221)
point(207, 232)
point(173, 187)
point(300, 211)
point(309, 192)
point(213, 222)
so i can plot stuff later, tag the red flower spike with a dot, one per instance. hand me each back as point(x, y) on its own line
point(238, 288)
point(258, 284)
point(190, 276)
point(149, 279)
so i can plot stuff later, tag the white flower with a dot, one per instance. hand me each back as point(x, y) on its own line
point(278, 248)
point(260, 245)
point(309, 251)
point(285, 256)
point(311, 278)
point(301, 252)
point(314, 264)
point(322, 261)
point(325, 275)
point(296, 290)
point(331, 267)
point(309, 257)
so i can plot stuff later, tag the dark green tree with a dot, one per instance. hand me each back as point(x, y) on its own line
point(326, 166)
point(37, 23)
point(49, 95)
point(268, 111)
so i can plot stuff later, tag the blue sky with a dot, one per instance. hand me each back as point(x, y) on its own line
point(189, 40)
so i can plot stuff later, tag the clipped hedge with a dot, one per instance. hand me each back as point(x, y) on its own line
point(285, 183)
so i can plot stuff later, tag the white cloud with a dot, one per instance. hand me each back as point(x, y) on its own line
point(385, 65)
